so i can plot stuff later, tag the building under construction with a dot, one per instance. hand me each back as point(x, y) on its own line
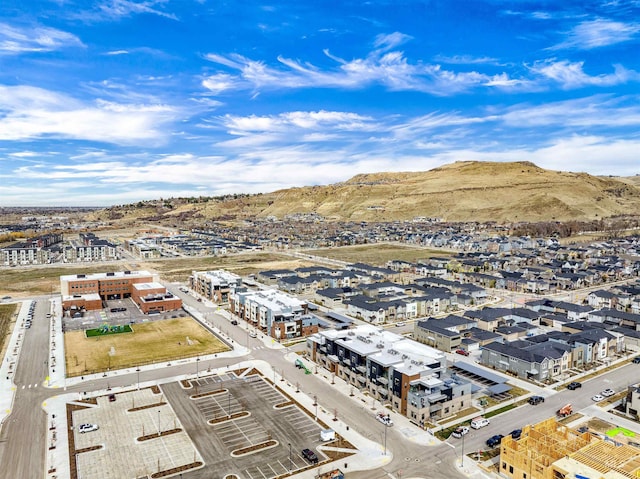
point(549, 450)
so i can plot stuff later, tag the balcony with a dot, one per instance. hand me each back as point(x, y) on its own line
point(383, 380)
point(383, 390)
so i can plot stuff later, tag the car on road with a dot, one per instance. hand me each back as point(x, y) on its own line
point(310, 456)
point(87, 428)
point(636, 360)
point(400, 323)
point(535, 400)
point(597, 398)
point(574, 385)
point(384, 419)
point(463, 352)
point(516, 433)
point(494, 441)
point(607, 392)
point(460, 431)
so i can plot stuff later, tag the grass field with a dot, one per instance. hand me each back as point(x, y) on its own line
point(156, 341)
point(91, 333)
point(378, 254)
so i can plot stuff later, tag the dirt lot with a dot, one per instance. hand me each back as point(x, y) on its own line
point(377, 254)
point(157, 341)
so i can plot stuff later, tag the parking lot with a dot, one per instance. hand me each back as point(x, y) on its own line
point(209, 420)
point(125, 311)
point(131, 439)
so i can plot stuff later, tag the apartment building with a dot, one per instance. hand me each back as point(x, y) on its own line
point(214, 285)
point(31, 251)
point(277, 314)
point(409, 376)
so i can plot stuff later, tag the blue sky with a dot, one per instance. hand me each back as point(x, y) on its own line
point(109, 102)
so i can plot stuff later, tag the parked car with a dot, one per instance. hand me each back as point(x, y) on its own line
point(87, 428)
point(478, 422)
point(494, 441)
point(112, 397)
point(400, 323)
point(253, 334)
point(516, 433)
point(460, 431)
point(310, 456)
point(384, 419)
point(608, 392)
point(636, 360)
point(464, 352)
point(597, 398)
point(535, 400)
point(574, 385)
point(234, 322)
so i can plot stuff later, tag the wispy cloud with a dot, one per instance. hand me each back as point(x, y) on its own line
point(29, 113)
point(598, 33)
point(571, 75)
point(465, 60)
point(15, 40)
point(109, 10)
point(381, 66)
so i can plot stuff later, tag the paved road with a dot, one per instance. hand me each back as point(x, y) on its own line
point(22, 439)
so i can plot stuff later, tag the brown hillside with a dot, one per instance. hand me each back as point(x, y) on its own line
point(461, 191)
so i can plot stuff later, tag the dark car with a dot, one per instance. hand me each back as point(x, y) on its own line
point(310, 456)
point(534, 400)
point(112, 397)
point(494, 441)
point(234, 322)
point(574, 385)
point(636, 360)
point(516, 433)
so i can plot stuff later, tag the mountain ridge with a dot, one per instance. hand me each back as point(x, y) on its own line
point(460, 191)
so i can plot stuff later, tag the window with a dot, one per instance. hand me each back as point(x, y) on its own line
point(504, 465)
point(510, 469)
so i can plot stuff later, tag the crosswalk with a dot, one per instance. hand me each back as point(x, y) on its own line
point(29, 386)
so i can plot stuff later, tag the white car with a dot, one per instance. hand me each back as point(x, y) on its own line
point(460, 431)
point(607, 393)
point(384, 419)
point(87, 428)
point(597, 398)
point(253, 334)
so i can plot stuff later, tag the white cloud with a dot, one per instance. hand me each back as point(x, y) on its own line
point(15, 40)
point(388, 68)
point(126, 8)
point(598, 33)
point(388, 41)
point(28, 113)
point(571, 74)
point(219, 83)
point(305, 120)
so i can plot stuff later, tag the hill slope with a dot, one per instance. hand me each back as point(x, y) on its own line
point(462, 191)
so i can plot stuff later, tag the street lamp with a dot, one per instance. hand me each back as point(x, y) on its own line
point(290, 460)
point(197, 367)
point(138, 373)
point(158, 422)
point(385, 438)
point(229, 406)
point(462, 454)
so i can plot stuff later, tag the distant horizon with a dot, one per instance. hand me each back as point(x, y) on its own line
point(113, 101)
